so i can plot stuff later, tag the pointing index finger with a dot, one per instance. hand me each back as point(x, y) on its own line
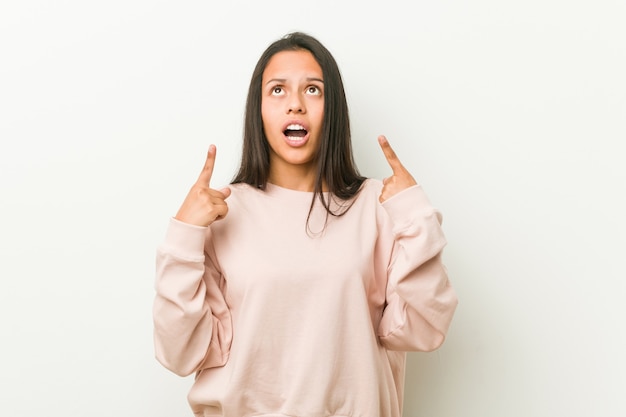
point(207, 171)
point(390, 155)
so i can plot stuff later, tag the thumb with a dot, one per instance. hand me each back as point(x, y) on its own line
point(226, 191)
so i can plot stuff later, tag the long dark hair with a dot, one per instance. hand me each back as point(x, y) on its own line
point(335, 163)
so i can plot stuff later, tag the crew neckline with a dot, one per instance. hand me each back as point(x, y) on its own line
point(272, 188)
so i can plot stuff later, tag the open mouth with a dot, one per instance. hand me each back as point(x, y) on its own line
point(295, 132)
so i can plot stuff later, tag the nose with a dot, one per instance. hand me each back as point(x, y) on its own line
point(296, 104)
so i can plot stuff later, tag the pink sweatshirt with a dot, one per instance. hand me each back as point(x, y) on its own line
point(278, 322)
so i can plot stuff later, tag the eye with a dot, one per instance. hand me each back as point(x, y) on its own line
point(277, 91)
point(313, 90)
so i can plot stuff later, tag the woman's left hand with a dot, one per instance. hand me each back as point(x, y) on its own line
point(400, 178)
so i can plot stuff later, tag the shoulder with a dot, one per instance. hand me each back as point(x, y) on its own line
point(407, 203)
point(242, 191)
point(241, 188)
point(242, 197)
point(371, 188)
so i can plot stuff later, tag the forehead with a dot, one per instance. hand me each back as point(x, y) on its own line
point(290, 64)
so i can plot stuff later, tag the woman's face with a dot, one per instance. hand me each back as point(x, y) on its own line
point(292, 109)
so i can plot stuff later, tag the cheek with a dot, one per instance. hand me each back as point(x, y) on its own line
point(266, 116)
point(319, 114)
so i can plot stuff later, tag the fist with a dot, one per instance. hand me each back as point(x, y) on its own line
point(400, 178)
point(204, 205)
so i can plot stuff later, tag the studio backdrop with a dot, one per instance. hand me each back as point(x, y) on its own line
point(512, 116)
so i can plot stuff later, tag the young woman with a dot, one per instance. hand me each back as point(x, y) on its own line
point(296, 290)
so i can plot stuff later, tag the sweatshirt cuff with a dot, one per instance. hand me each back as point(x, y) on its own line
point(185, 240)
point(407, 201)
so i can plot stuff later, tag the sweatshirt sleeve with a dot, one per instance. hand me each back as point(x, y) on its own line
point(420, 302)
point(192, 322)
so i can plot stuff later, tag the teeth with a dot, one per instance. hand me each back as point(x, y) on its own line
point(295, 127)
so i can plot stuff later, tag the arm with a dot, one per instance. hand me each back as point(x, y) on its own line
point(420, 302)
point(192, 323)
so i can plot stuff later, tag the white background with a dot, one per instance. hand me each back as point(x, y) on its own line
point(511, 114)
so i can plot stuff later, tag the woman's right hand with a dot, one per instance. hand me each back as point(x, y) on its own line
point(204, 205)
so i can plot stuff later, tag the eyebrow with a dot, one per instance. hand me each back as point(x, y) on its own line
point(284, 80)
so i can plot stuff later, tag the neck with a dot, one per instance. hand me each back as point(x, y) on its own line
point(292, 182)
point(293, 177)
